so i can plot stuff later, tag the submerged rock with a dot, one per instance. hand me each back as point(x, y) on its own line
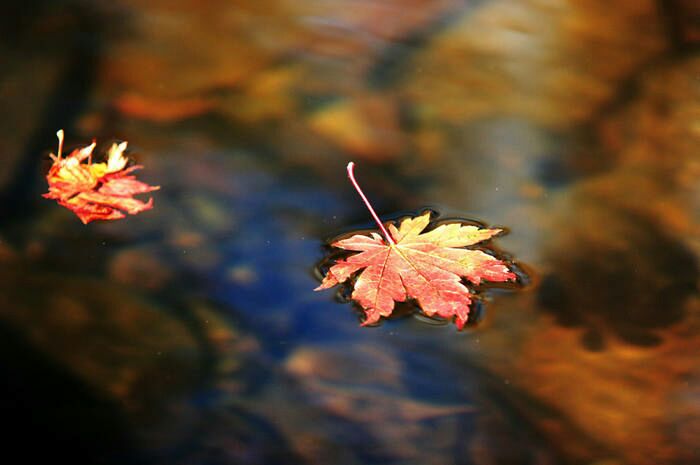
point(363, 386)
point(555, 63)
point(118, 343)
point(364, 127)
point(142, 365)
point(621, 267)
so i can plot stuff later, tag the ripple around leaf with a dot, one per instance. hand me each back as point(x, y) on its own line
point(428, 267)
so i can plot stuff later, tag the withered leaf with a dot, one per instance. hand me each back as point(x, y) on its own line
point(96, 191)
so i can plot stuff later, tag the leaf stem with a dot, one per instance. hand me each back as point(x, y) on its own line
point(351, 175)
point(59, 134)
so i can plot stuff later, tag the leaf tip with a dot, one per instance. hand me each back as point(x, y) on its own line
point(370, 321)
point(328, 281)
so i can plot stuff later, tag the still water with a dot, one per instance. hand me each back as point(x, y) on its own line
point(190, 334)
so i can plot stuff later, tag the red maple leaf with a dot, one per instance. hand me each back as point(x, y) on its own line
point(96, 191)
point(408, 263)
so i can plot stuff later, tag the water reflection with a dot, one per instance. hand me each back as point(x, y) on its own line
point(191, 333)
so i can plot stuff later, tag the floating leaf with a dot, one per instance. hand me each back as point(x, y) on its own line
point(408, 263)
point(96, 191)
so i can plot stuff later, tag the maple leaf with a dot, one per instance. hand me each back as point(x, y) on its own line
point(96, 191)
point(408, 263)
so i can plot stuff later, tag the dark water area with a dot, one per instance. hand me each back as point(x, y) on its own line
point(190, 333)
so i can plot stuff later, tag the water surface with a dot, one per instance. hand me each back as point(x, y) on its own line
point(190, 333)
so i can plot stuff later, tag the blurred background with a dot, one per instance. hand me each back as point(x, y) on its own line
point(189, 334)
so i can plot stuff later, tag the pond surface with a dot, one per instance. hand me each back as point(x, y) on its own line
point(190, 333)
